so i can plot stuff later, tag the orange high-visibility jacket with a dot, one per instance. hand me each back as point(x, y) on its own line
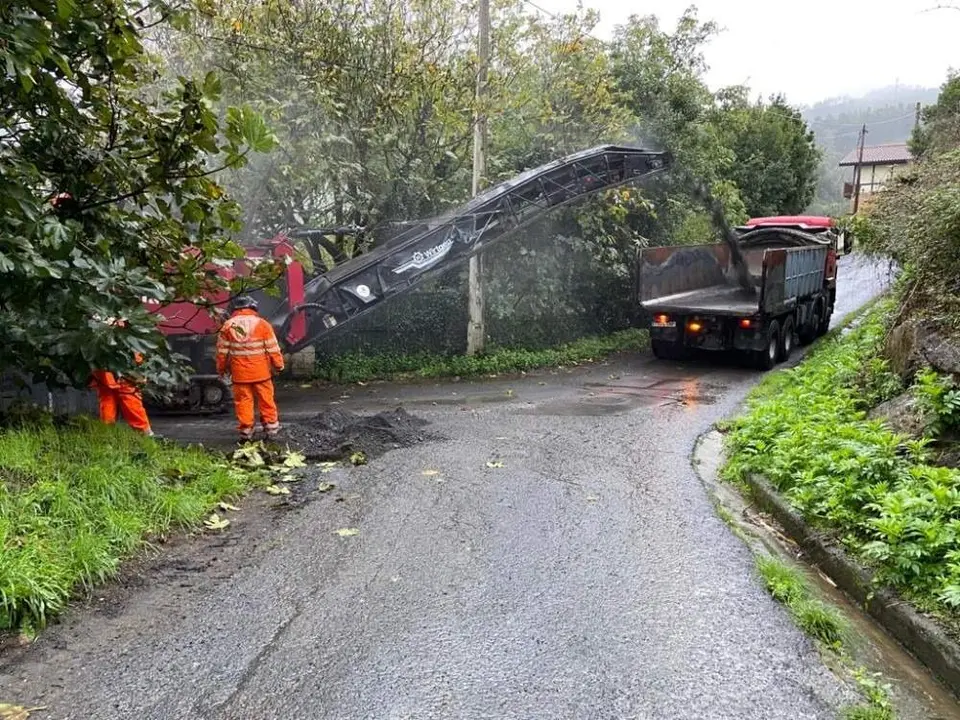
point(248, 348)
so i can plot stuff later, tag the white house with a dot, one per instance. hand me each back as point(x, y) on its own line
point(876, 167)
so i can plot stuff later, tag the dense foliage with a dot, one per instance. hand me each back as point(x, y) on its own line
point(774, 155)
point(806, 430)
point(138, 171)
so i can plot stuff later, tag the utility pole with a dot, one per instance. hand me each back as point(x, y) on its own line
point(476, 329)
point(856, 179)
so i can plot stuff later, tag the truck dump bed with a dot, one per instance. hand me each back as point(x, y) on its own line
point(701, 279)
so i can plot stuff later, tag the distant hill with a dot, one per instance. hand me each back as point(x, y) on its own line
point(889, 114)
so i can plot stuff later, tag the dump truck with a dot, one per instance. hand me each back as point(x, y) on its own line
point(694, 299)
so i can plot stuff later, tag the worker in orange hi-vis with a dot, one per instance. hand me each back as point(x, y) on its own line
point(247, 350)
point(119, 395)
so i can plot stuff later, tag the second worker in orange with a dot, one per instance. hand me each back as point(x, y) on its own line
point(248, 351)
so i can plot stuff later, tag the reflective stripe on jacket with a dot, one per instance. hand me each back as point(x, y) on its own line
point(247, 348)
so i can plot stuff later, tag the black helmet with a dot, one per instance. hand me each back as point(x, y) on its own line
point(244, 302)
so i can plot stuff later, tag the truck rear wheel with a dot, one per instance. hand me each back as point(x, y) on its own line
point(825, 322)
point(665, 350)
point(811, 330)
point(767, 358)
point(786, 340)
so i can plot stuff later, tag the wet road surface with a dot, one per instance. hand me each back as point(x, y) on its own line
point(586, 578)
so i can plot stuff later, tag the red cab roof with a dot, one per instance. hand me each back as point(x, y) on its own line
point(800, 221)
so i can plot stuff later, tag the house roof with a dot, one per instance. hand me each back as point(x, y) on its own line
point(891, 154)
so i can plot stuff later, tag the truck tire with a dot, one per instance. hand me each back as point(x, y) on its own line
point(663, 350)
point(765, 359)
point(786, 339)
point(811, 330)
point(825, 322)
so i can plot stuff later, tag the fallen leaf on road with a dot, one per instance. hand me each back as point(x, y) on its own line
point(358, 458)
point(509, 393)
point(592, 498)
point(541, 383)
point(215, 522)
point(249, 455)
point(305, 385)
point(17, 712)
point(288, 478)
point(294, 460)
point(361, 384)
point(347, 532)
point(494, 464)
point(227, 507)
point(277, 490)
point(325, 487)
point(430, 473)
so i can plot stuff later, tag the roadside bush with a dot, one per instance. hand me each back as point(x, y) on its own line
point(939, 396)
point(76, 499)
point(806, 430)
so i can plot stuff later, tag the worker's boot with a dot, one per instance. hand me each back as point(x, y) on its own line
point(271, 430)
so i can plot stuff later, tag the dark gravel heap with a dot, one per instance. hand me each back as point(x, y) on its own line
point(335, 434)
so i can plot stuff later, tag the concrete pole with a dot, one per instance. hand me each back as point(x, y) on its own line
point(476, 329)
point(856, 178)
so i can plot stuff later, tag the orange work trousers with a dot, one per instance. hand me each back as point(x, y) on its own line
point(124, 399)
point(244, 397)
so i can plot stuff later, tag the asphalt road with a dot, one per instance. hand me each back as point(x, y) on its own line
point(587, 578)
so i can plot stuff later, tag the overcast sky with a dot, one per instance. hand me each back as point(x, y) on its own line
point(770, 45)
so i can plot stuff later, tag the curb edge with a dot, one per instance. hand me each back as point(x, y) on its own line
point(922, 637)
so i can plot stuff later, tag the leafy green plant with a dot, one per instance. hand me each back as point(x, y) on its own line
point(877, 693)
point(806, 430)
point(76, 499)
point(939, 396)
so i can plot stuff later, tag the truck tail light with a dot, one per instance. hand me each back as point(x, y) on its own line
point(694, 327)
point(746, 323)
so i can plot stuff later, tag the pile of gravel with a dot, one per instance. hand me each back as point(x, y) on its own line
point(335, 434)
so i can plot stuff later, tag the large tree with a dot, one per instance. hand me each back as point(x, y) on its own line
point(774, 154)
point(371, 100)
point(134, 177)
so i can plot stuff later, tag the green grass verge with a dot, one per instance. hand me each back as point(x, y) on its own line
point(825, 624)
point(806, 430)
point(75, 500)
point(359, 367)
point(788, 586)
